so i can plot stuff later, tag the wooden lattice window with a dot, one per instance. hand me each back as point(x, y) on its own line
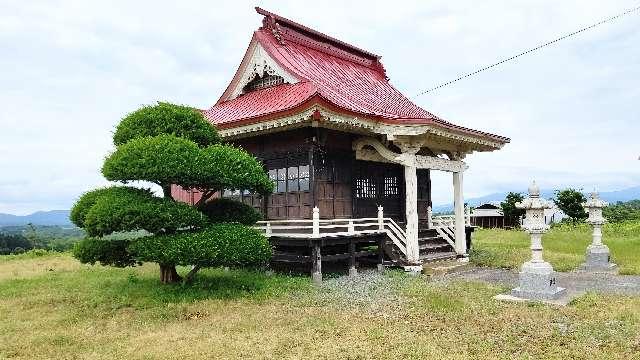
point(263, 82)
point(366, 188)
point(391, 186)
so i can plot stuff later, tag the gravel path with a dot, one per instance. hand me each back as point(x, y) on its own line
point(575, 282)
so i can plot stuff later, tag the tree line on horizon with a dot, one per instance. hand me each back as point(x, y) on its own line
point(570, 201)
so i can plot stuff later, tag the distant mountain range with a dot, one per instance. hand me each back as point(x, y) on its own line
point(53, 217)
point(61, 217)
point(610, 196)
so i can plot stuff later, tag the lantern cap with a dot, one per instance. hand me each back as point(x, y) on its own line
point(594, 201)
point(534, 190)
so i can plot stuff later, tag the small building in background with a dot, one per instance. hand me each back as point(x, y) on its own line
point(489, 215)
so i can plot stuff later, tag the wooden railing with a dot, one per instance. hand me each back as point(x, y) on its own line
point(324, 228)
point(445, 226)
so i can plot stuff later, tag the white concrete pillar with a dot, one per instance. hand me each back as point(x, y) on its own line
point(268, 229)
point(458, 201)
point(411, 208)
point(316, 222)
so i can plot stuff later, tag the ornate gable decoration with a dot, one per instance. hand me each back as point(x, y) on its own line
point(259, 65)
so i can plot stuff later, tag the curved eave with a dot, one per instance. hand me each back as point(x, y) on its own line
point(331, 113)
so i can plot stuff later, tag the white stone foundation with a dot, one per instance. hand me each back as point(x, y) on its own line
point(598, 259)
point(538, 282)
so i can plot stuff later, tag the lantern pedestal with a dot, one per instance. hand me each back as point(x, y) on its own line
point(598, 259)
point(537, 281)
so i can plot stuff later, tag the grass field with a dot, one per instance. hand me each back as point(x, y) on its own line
point(564, 247)
point(53, 307)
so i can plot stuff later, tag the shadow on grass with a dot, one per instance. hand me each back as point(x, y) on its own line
point(98, 289)
point(215, 284)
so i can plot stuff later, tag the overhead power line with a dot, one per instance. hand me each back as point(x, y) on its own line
point(528, 51)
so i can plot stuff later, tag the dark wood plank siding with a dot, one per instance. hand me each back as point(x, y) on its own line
point(333, 184)
point(378, 184)
point(339, 185)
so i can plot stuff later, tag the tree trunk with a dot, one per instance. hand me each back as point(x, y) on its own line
point(166, 191)
point(187, 279)
point(206, 195)
point(168, 274)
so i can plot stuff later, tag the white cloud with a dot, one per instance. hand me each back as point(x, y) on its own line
point(72, 69)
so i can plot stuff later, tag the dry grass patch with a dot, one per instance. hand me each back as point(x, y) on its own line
point(106, 313)
point(22, 267)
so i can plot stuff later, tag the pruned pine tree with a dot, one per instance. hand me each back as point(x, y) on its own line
point(169, 145)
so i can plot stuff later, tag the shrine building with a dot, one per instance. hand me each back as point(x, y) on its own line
point(350, 155)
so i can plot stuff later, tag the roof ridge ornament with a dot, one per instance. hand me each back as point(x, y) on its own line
point(269, 23)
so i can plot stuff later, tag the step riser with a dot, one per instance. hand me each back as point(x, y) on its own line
point(432, 248)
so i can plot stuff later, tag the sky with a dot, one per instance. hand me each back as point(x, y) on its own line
point(72, 69)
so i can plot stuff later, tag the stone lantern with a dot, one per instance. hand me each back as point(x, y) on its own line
point(597, 258)
point(537, 280)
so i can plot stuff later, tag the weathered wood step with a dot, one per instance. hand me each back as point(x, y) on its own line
point(433, 240)
point(434, 246)
point(438, 256)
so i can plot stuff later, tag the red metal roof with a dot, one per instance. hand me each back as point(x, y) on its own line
point(349, 78)
point(261, 102)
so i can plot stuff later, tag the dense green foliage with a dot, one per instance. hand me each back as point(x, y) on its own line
point(622, 211)
point(224, 210)
point(570, 202)
point(232, 245)
point(134, 210)
point(18, 238)
point(166, 160)
point(227, 167)
point(509, 209)
point(162, 119)
point(106, 252)
point(162, 159)
point(82, 206)
point(13, 244)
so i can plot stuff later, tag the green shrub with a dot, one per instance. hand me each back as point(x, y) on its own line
point(232, 245)
point(163, 159)
point(232, 168)
point(88, 199)
point(166, 159)
point(229, 211)
point(105, 252)
point(166, 119)
point(132, 211)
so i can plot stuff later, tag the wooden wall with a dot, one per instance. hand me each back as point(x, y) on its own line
point(339, 185)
